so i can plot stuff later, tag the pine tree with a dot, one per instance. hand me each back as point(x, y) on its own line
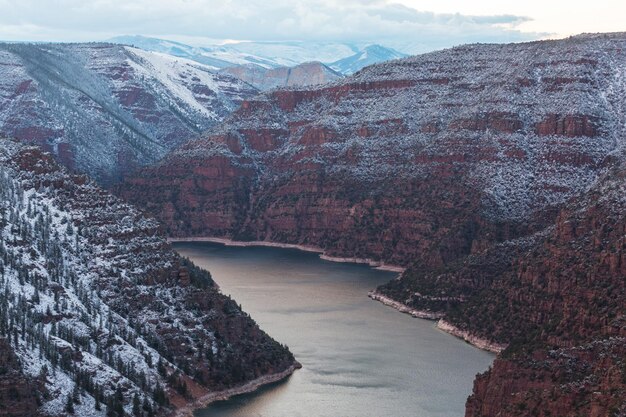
point(161, 367)
point(69, 404)
point(146, 405)
point(136, 406)
point(118, 402)
point(76, 394)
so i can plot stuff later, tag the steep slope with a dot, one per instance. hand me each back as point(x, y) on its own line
point(426, 159)
point(562, 306)
point(306, 74)
point(370, 55)
point(105, 109)
point(100, 312)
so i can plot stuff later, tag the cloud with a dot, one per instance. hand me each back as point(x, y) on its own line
point(311, 20)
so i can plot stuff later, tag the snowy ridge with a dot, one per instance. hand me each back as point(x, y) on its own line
point(372, 54)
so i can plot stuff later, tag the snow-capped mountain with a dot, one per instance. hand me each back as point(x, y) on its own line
point(370, 55)
point(99, 316)
point(269, 54)
point(105, 109)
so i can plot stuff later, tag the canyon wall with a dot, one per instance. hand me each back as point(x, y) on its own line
point(430, 158)
point(305, 74)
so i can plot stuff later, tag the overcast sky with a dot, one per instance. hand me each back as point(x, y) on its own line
point(428, 23)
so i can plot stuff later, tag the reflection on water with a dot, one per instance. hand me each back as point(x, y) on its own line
point(359, 358)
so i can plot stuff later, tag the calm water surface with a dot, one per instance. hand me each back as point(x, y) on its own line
point(359, 357)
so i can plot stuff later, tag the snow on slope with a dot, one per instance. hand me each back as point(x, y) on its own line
point(171, 73)
point(105, 109)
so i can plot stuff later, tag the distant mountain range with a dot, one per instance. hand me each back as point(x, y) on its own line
point(345, 58)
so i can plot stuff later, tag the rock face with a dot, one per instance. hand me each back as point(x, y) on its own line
point(106, 109)
point(429, 158)
point(562, 307)
point(100, 310)
point(495, 173)
point(302, 75)
point(587, 380)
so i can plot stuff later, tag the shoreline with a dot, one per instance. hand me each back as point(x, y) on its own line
point(248, 387)
point(473, 340)
point(402, 308)
point(229, 242)
point(442, 324)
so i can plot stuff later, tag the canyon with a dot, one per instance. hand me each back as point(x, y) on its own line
point(490, 172)
point(493, 176)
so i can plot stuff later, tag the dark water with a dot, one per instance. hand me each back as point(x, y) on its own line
point(360, 358)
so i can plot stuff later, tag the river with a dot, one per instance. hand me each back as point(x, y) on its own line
point(359, 357)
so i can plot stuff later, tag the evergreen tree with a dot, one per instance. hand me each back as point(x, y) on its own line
point(136, 406)
point(69, 404)
point(76, 393)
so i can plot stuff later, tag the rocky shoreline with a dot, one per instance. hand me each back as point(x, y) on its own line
point(470, 338)
point(251, 386)
point(229, 242)
point(442, 324)
point(420, 314)
point(374, 264)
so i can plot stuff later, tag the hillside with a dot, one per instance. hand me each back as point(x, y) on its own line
point(99, 314)
point(492, 172)
point(106, 109)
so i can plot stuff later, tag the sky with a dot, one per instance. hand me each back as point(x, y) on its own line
point(409, 25)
